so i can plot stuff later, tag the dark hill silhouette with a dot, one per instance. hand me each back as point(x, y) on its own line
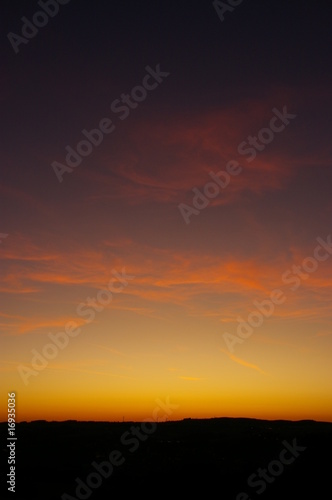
point(176, 458)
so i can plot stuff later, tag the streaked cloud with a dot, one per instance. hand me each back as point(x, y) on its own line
point(242, 362)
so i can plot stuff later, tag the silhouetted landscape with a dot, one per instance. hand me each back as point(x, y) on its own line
point(209, 456)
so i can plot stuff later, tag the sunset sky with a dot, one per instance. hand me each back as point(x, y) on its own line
point(161, 333)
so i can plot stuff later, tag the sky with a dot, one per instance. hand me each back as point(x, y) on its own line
point(165, 210)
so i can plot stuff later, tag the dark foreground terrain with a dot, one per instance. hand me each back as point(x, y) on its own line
point(213, 458)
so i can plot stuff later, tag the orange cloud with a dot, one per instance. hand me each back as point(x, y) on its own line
point(243, 362)
point(162, 277)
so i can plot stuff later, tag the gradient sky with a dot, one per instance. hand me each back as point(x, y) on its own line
point(162, 335)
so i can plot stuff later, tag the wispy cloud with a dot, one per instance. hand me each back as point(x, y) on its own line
point(196, 281)
point(242, 362)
